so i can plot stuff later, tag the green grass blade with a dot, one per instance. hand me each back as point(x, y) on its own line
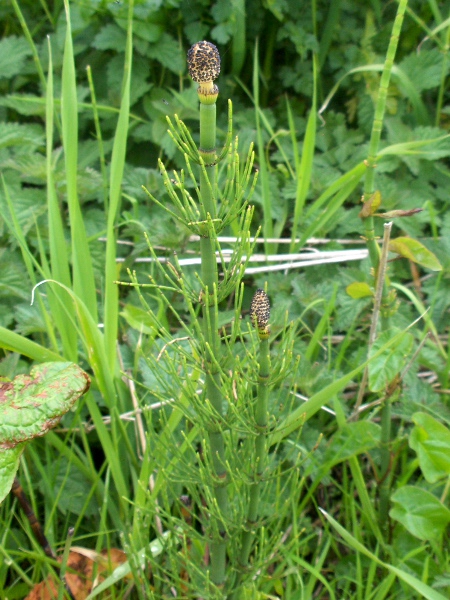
point(9, 340)
point(267, 226)
point(314, 344)
point(329, 30)
point(117, 168)
point(347, 186)
point(304, 174)
point(60, 270)
point(238, 52)
point(83, 274)
point(30, 41)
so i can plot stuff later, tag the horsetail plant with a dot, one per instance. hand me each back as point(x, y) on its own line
point(204, 68)
point(259, 314)
point(214, 208)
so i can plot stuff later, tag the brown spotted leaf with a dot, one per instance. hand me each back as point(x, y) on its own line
point(32, 404)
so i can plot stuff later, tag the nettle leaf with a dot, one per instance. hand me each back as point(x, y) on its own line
point(195, 31)
point(415, 251)
point(359, 289)
point(13, 282)
point(221, 11)
point(421, 513)
point(439, 145)
point(30, 406)
point(384, 368)
point(168, 52)
point(13, 52)
point(29, 205)
point(222, 33)
point(110, 37)
point(24, 104)
point(148, 31)
point(430, 439)
point(15, 134)
point(424, 68)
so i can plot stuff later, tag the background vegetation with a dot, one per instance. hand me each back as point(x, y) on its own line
point(76, 147)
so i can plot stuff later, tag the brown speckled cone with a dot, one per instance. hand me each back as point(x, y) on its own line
point(203, 62)
point(260, 309)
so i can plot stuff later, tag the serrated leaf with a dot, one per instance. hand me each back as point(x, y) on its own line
point(30, 406)
point(421, 513)
point(371, 205)
point(359, 289)
point(222, 33)
point(424, 68)
point(110, 37)
point(13, 52)
point(168, 52)
point(385, 367)
point(430, 439)
point(415, 251)
point(15, 134)
point(24, 104)
point(33, 404)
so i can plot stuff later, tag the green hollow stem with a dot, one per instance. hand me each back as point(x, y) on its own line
point(218, 545)
point(374, 252)
point(260, 457)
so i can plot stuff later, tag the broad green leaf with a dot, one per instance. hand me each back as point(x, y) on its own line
point(424, 68)
point(25, 104)
point(415, 251)
point(168, 52)
point(351, 440)
point(140, 319)
point(9, 464)
point(390, 362)
point(13, 52)
point(421, 513)
point(110, 37)
point(359, 289)
point(430, 439)
point(16, 134)
point(31, 405)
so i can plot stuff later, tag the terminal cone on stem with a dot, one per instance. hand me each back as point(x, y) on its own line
point(204, 68)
